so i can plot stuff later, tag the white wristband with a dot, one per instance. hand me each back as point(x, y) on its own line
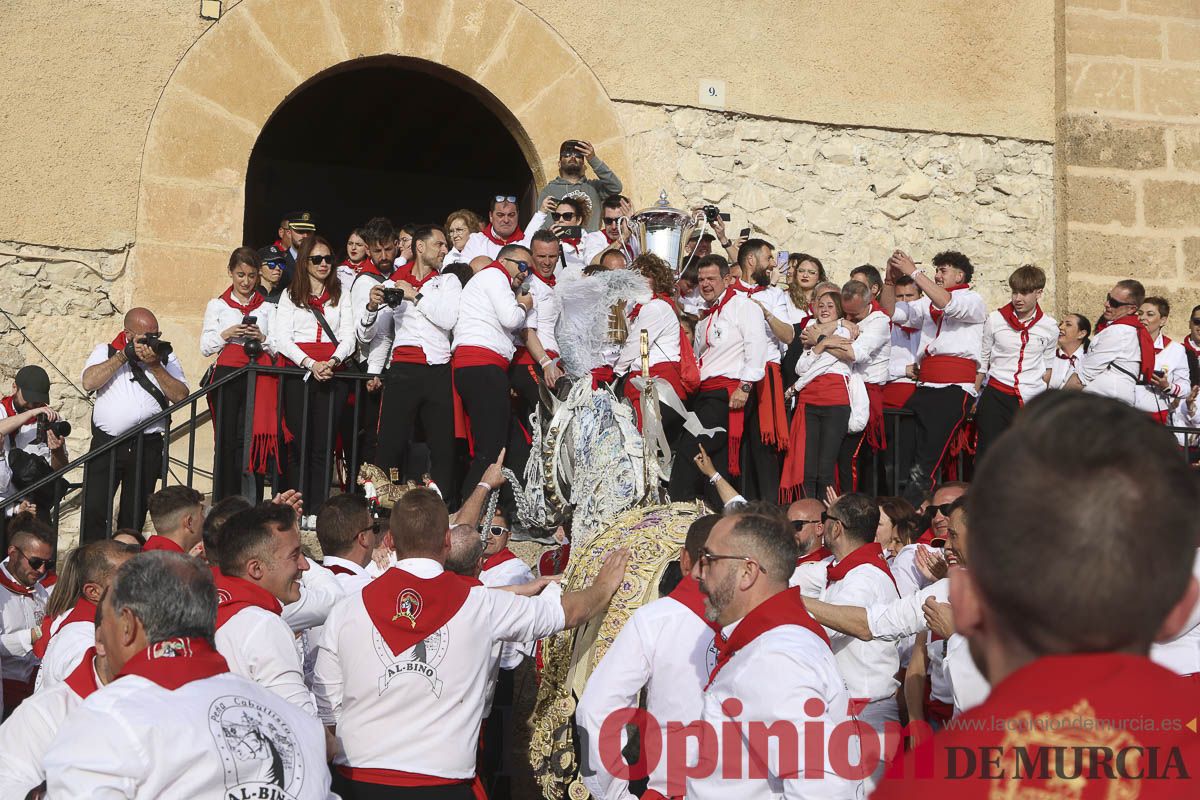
point(916, 272)
point(545, 361)
point(484, 485)
point(716, 476)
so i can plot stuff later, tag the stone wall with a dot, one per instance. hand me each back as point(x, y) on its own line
point(852, 195)
point(1131, 150)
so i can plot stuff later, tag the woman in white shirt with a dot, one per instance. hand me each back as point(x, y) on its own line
point(822, 406)
point(302, 340)
point(236, 327)
point(1074, 333)
point(459, 227)
point(804, 273)
point(356, 258)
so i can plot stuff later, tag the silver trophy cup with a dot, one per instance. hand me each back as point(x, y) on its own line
point(663, 230)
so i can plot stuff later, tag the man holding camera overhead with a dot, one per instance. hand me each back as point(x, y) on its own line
point(571, 157)
point(29, 425)
point(135, 377)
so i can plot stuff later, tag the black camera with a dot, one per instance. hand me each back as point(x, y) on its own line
point(154, 341)
point(61, 428)
point(393, 297)
point(712, 213)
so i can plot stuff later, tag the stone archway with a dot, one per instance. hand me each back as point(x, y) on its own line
point(223, 92)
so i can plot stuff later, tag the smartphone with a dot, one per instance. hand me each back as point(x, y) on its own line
point(745, 234)
point(249, 320)
point(781, 260)
point(572, 232)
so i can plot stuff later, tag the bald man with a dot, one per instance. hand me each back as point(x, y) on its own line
point(135, 378)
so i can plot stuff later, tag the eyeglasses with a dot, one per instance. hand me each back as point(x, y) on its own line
point(505, 198)
point(328, 259)
point(36, 564)
point(707, 557)
point(611, 220)
point(1113, 302)
point(800, 523)
point(496, 531)
point(522, 266)
point(556, 216)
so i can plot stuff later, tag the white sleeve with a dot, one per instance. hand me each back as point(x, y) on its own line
point(966, 307)
point(754, 350)
point(366, 322)
point(535, 224)
point(523, 619)
point(16, 644)
point(276, 666)
point(904, 617)
point(440, 306)
point(211, 342)
point(1181, 382)
point(381, 343)
point(95, 757)
point(1102, 352)
point(347, 341)
point(319, 591)
point(24, 739)
point(870, 342)
point(328, 683)
point(613, 685)
point(284, 337)
point(266, 324)
point(509, 312)
point(810, 577)
point(985, 351)
point(908, 314)
point(473, 248)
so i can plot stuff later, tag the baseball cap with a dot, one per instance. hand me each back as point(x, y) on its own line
point(34, 384)
point(272, 253)
point(695, 234)
point(301, 221)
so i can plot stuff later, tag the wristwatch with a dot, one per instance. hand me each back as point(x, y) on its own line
point(746, 386)
point(417, 299)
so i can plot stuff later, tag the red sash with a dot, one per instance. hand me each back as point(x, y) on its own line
point(409, 354)
point(602, 376)
point(876, 431)
point(737, 420)
point(820, 554)
point(783, 608)
point(83, 611)
point(175, 662)
point(826, 390)
point(395, 777)
point(157, 542)
point(896, 394)
point(1145, 343)
point(264, 442)
point(235, 594)
point(947, 369)
point(668, 371)
point(772, 415)
point(514, 237)
point(498, 558)
point(82, 680)
point(405, 608)
point(870, 554)
point(688, 593)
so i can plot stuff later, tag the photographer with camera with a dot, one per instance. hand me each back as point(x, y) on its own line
point(32, 440)
point(235, 331)
point(135, 377)
point(571, 157)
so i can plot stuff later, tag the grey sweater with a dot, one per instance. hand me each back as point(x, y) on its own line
point(604, 184)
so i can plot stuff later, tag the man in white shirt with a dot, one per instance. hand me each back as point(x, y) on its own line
point(23, 409)
point(416, 644)
point(615, 211)
point(412, 338)
point(666, 647)
point(176, 723)
point(951, 317)
point(177, 514)
point(260, 566)
point(1121, 353)
point(489, 315)
point(731, 349)
point(1019, 342)
point(22, 607)
point(73, 633)
point(774, 671)
point(502, 229)
point(133, 381)
point(349, 537)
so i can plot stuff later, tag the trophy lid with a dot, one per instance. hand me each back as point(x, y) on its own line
point(661, 213)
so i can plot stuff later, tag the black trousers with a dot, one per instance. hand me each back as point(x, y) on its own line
point(939, 413)
point(412, 393)
point(314, 436)
point(229, 450)
point(994, 414)
point(824, 430)
point(525, 380)
point(762, 463)
point(495, 752)
point(357, 790)
point(712, 409)
point(854, 465)
point(484, 392)
point(120, 466)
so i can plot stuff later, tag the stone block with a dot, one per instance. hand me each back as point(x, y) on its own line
point(1171, 91)
point(838, 151)
point(1100, 200)
point(309, 48)
point(1102, 5)
point(192, 215)
point(1118, 255)
point(886, 184)
point(915, 187)
point(895, 208)
point(920, 157)
point(1191, 258)
point(750, 198)
point(692, 168)
point(1015, 185)
point(1095, 142)
point(1100, 85)
point(1171, 204)
point(1166, 8)
point(1091, 34)
point(1183, 41)
point(980, 156)
point(191, 140)
point(1185, 151)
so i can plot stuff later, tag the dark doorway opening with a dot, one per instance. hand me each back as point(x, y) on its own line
point(390, 137)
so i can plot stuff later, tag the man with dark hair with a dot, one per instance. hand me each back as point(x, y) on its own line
point(731, 349)
point(502, 229)
point(177, 513)
point(261, 563)
point(21, 415)
point(416, 643)
point(571, 178)
point(615, 234)
point(868, 275)
point(65, 640)
point(1073, 475)
point(951, 318)
point(772, 658)
point(668, 648)
point(1019, 343)
point(349, 537)
point(1121, 353)
point(215, 520)
point(413, 339)
point(177, 723)
point(859, 576)
point(23, 605)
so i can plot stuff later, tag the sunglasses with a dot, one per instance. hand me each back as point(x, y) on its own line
point(570, 154)
point(320, 259)
point(496, 531)
point(944, 509)
point(800, 523)
point(707, 557)
point(505, 198)
point(35, 563)
point(556, 216)
point(522, 266)
point(611, 220)
point(372, 528)
point(272, 265)
point(826, 516)
point(1113, 302)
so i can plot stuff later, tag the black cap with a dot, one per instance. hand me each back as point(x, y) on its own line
point(272, 253)
point(302, 221)
point(34, 384)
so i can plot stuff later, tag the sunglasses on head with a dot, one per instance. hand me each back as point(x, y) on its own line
point(1113, 302)
point(556, 216)
point(826, 516)
point(505, 198)
point(320, 259)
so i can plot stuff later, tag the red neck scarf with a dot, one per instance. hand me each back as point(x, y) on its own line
point(14, 586)
point(870, 554)
point(1166, 342)
point(1145, 343)
point(405, 273)
point(551, 281)
point(783, 608)
point(875, 306)
point(338, 569)
point(235, 594)
point(10, 410)
point(637, 307)
point(739, 286)
point(255, 301)
point(82, 680)
point(84, 611)
point(1060, 354)
point(499, 266)
point(906, 328)
point(568, 240)
point(936, 313)
point(157, 542)
point(820, 554)
point(319, 301)
point(405, 608)
point(176, 662)
point(1191, 348)
point(717, 307)
point(1010, 316)
point(498, 558)
point(688, 593)
point(368, 267)
point(515, 236)
point(119, 342)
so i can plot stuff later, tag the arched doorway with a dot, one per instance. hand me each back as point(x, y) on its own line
point(385, 136)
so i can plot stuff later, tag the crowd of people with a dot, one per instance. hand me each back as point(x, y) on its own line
point(846, 626)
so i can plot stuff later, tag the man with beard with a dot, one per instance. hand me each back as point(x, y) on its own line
point(1121, 354)
point(23, 605)
point(571, 157)
point(774, 668)
point(502, 229)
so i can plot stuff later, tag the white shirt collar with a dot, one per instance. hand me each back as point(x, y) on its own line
point(421, 567)
point(330, 561)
